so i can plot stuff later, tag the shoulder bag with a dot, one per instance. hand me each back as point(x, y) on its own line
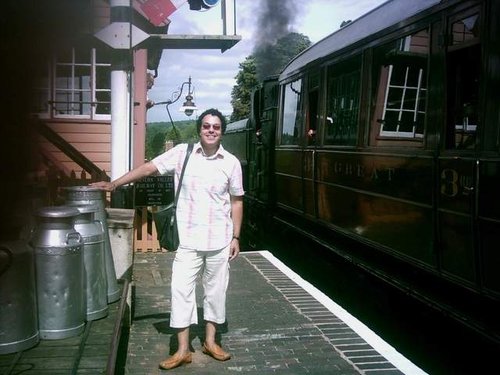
point(165, 219)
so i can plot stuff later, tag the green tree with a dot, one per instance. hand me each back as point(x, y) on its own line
point(173, 134)
point(246, 82)
point(270, 59)
point(267, 60)
point(189, 133)
point(157, 133)
point(156, 145)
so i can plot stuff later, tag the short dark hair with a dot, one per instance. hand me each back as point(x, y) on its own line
point(213, 112)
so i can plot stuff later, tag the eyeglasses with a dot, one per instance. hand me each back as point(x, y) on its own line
point(207, 126)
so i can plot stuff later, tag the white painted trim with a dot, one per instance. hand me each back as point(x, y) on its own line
point(396, 358)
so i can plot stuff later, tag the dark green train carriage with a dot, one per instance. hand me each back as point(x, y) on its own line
point(385, 137)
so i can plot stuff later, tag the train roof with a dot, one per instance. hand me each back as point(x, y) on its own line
point(378, 19)
point(237, 125)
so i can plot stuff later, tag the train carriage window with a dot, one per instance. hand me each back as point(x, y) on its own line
point(312, 107)
point(292, 113)
point(465, 30)
point(341, 127)
point(463, 62)
point(399, 99)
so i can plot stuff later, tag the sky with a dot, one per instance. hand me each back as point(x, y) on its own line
point(212, 72)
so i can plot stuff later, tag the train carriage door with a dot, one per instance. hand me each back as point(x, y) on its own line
point(489, 171)
point(458, 161)
point(255, 145)
point(488, 204)
point(309, 151)
point(288, 158)
point(265, 130)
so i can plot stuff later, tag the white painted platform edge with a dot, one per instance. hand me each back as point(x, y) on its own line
point(397, 359)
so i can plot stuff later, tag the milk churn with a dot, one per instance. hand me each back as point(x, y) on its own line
point(18, 313)
point(59, 273)
point(81, 195)
point(92, 233)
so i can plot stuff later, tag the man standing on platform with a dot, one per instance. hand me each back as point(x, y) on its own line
point(209, 217)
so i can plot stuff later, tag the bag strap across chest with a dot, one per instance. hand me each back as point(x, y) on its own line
point(188, 153)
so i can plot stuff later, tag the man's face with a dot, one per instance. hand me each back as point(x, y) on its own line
point(210, 131)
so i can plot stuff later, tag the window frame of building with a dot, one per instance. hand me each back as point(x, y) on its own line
point(400, 89)
point(415, 111)
point(76, 83)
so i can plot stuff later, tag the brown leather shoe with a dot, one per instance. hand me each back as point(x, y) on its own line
point(176, 360)
point(216, 352)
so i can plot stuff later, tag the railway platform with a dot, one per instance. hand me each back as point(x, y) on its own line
point(277, 324)
point(92, 352)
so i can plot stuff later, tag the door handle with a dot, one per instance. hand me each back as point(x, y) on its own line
point(468, 190)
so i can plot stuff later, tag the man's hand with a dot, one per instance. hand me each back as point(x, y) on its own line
point(104, 185)
point(234, 250)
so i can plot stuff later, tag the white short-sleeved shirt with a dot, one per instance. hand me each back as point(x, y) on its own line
point(204, 206)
